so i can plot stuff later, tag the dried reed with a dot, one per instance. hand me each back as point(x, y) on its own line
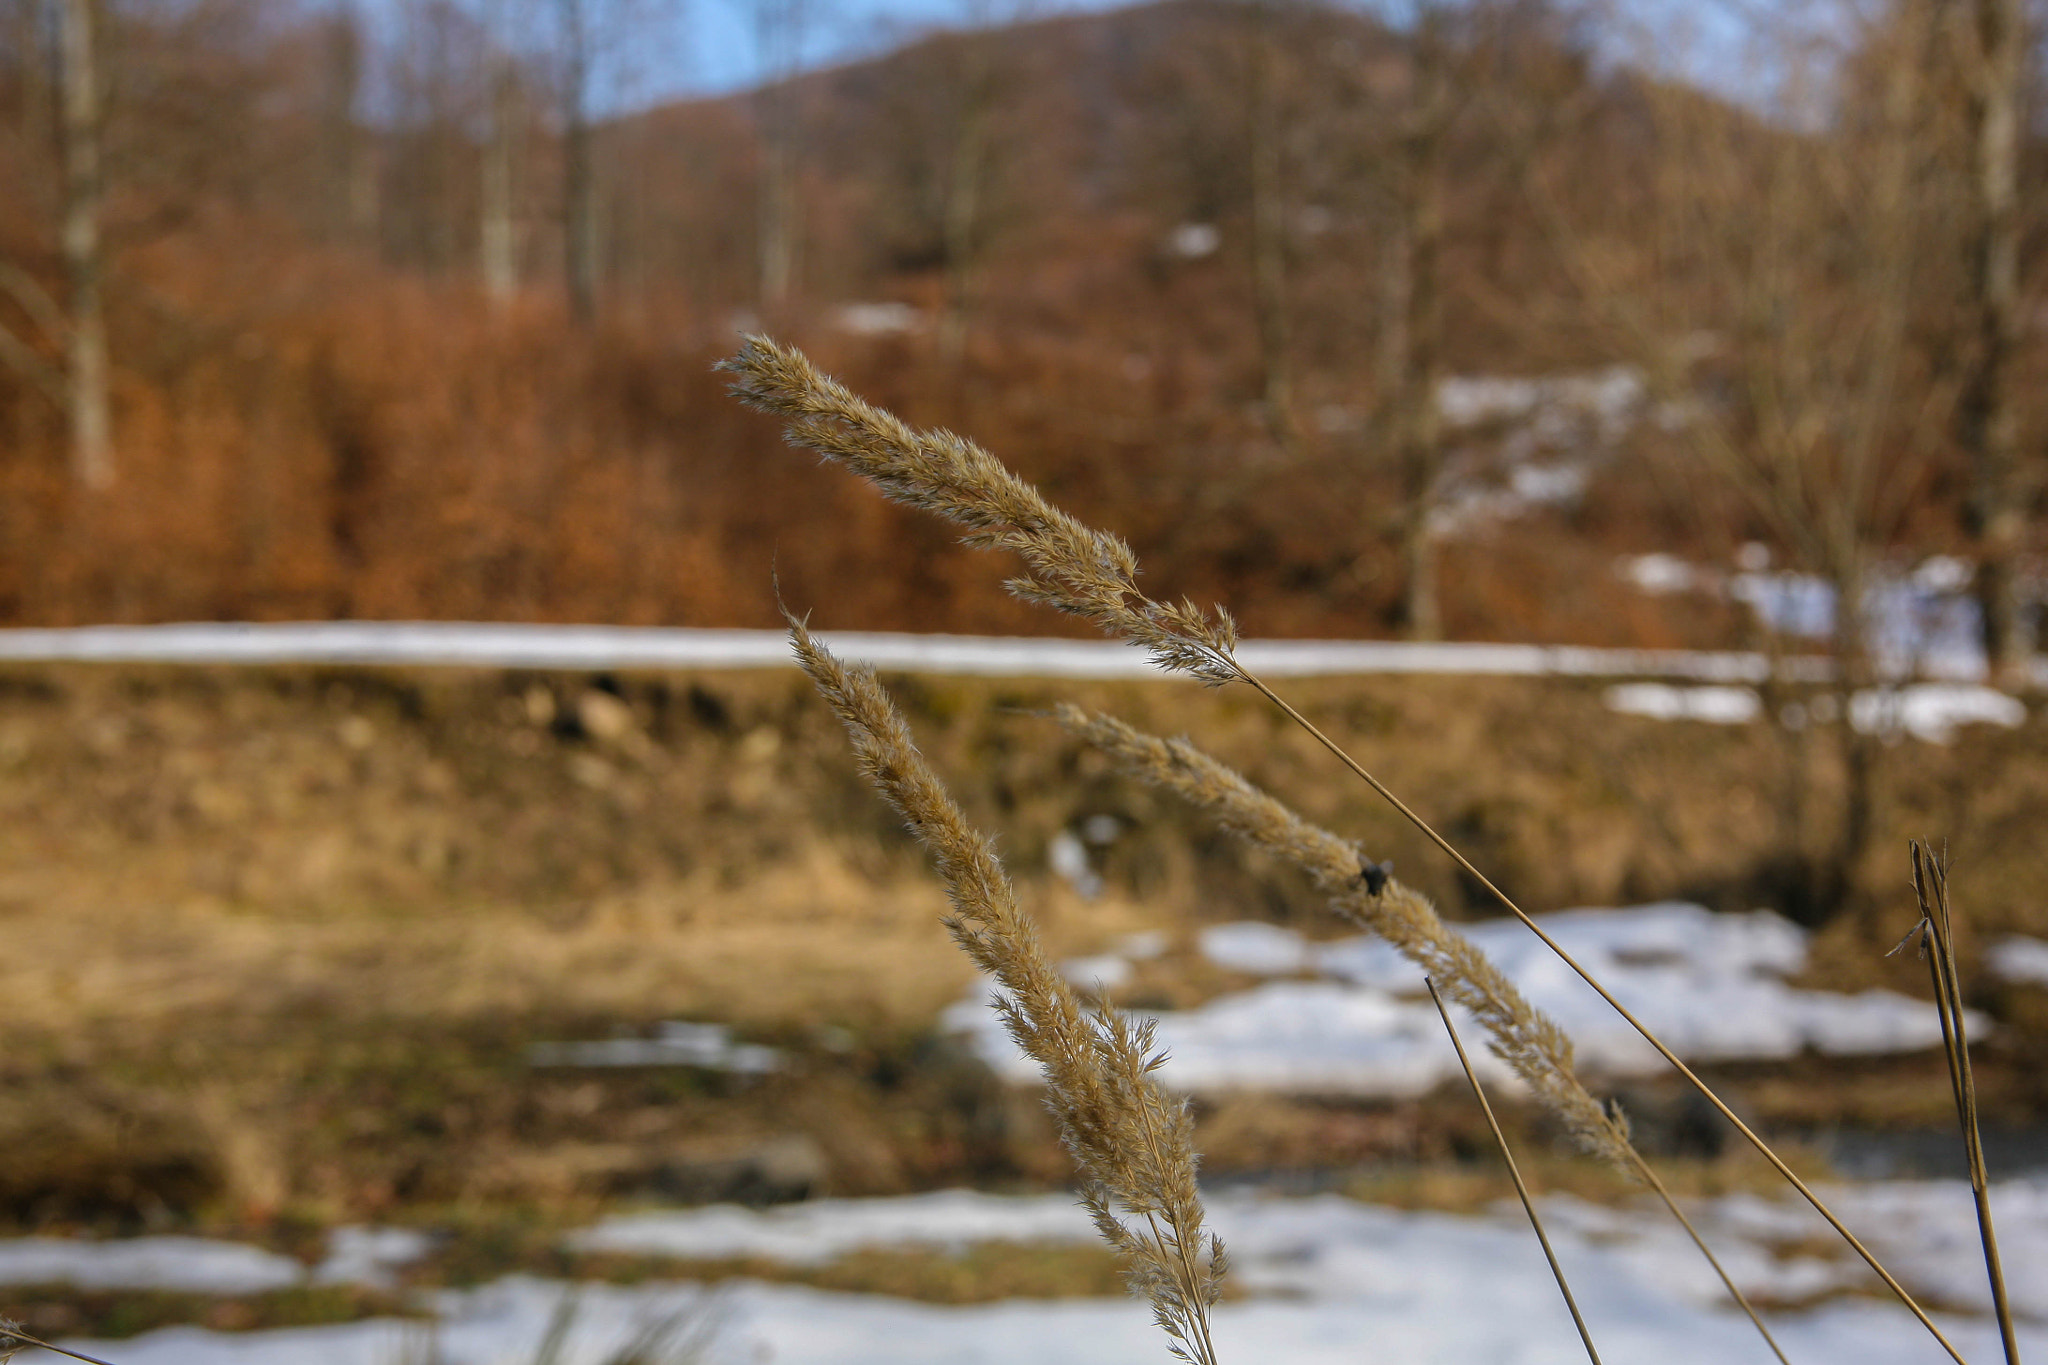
point(1528, 1041)
point(1937, 944)
point(14, 1340)
point(1361, 891)
point(1092, 574)
point(1515, 1173)
point(1068, 566)
point(1132, 1144)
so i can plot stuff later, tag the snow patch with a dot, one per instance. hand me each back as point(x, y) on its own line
point(1260, 949)
point(709, 1047)
point(1717, 705)
point(1324, 1274)
point(1934, 711)
point(370, 1256)
point(1712, 986)
point(824, 1230)
point(188, 1265)
point(878, 319)
point(2019, 958)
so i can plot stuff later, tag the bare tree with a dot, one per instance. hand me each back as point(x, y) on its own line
point(966, 174)
point(1990, 38)
point(87, 402)
point(1796, 245)
point(348, 173)
point(579, 183)
point(780, 33)
point(497, 226)
point(1412, 332)
point(1267, 240)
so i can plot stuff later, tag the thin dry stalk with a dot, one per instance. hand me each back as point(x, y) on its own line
point(1132, 1144)
point(13, 1340)
point(1515, 1173)
point(1937, 927)
point(1359, 890)
point(1093, 575)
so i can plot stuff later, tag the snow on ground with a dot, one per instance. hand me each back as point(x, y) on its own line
point(709, 1047)
point(1926, 1233)
point(1927, 711)
point(370, 1256)
point(1710, 985)
point(201, 1265)
point(1329, 1280)
point(2019, 958)
point(824, 1230)
point(1719, 705)
point(462, 644)
point(1921, 622)
point(189, 1264)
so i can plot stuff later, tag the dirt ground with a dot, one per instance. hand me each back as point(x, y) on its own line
point(278, 942)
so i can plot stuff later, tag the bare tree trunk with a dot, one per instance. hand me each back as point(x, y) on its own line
point(1847, 540)
point(341, 175)
point(31, 38)
point(1269, 233)
point(1415, 292)
point(579, 186)
point(963, 200)
point(92, 457)
point(497, 244)
point(1838, 881)
point(778, 37)
point(1988, 420)
point(777, 246)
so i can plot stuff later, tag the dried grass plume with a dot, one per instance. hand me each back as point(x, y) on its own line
point(1067, 565)
point(1521, 1035)
point(1132, 1145)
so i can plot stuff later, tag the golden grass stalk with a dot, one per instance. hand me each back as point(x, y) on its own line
point(1094, 575)
point(1131, 1144)
point(1937, 928)
point(1515, 1173)
point(1527, 1040)
point(1067, 565)
point(1521, 1035)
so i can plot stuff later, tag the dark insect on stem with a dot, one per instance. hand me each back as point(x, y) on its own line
point(1375, 875)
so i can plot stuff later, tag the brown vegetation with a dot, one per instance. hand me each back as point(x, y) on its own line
point(279, 939)
point(425, 354)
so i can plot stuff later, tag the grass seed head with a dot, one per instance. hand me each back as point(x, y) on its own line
point(1131, 1143)
point(1067, 565)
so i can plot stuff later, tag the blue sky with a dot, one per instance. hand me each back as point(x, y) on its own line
point(722, 54)
point(711, 47)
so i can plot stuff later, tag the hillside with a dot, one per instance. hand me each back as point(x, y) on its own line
point(321, 411)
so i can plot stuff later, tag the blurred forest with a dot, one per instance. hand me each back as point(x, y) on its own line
point(1362, 321)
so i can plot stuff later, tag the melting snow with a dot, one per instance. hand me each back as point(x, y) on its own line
point(2019, 958)
point(369, 1256)
point(709, 1047)
point(203, 1265)
point(1931, 712)
point(1328, 1277)
point(1710, 985)
point(193, 1265)
point(826, 1229)
point(1661, 701)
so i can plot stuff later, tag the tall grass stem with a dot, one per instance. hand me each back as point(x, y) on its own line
point(1654, 1041)
point(1515, 1173)
point(13, 1339)
point(1930, 887)
point(1088, 573)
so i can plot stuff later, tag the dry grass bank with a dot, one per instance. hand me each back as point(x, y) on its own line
point(280, 939)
